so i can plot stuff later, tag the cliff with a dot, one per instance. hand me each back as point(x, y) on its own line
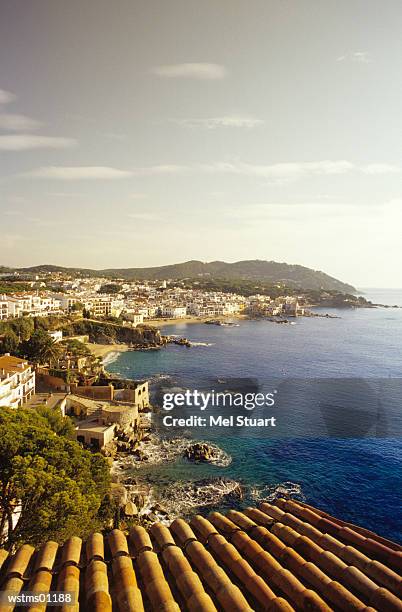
point(110, 333)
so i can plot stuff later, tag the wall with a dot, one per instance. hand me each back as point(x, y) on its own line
point(94, 392)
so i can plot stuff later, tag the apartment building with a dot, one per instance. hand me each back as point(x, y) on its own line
point(3, 308)
point(17, 381)
point(32, 305)
point(173, 312)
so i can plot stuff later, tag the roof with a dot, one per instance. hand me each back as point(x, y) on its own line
point(13, 364)
point(281, 556)
point(93, 425)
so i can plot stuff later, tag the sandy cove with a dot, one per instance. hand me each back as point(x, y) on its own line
point(102, 350)
point(163, 322)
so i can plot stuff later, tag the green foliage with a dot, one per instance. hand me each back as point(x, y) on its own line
point(240, 286)
point(23, 327)
point(77, 307)
point(9, 287)
point(110, 288)
point(50, 323)
point(41, 348)
point(62, 426)
point(76, 348)
point(58, 486)
point(10, 343)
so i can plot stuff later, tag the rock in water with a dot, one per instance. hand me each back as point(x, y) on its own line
point(200, 452)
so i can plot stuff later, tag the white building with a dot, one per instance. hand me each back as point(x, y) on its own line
point(3, 308)
point(32, 305)
point(17, 381)
point(173, 312)
point(137, 318)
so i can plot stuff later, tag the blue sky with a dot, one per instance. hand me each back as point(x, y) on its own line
point(141, 133)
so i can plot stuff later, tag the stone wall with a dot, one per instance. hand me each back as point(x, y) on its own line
point(105, 392)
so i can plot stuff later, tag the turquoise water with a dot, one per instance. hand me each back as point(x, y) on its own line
point(359, 480)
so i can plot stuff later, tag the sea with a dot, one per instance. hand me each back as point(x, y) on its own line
point(341, 455)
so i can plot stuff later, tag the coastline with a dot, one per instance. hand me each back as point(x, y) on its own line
point(194, 319)
point(103, 350)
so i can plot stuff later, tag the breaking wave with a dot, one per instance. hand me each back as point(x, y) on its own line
point(184, 498)
point(154, 450)
point(270, 493)
point(110, 357)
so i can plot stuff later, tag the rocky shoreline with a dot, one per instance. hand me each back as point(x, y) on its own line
point(139, 498)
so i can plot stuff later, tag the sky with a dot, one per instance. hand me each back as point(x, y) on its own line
point(149, 132)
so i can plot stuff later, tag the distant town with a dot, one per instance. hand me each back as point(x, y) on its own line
point(56, 293)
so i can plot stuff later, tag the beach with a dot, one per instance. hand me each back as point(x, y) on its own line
point(102, 350)
point(193, 319)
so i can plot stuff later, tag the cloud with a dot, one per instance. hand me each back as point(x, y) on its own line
point(201, 71)
point(18, 123)
point(360, 57)
point(279, 172)
point(6, 96)
point(76, 173)
point(283, 171)
point(27, 142)
point(380, 169)
point(212, 123)
point(161, 169)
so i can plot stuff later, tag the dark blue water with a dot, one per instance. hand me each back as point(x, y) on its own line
point(358, 480)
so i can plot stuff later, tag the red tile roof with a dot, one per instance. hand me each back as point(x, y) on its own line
point(281, 556)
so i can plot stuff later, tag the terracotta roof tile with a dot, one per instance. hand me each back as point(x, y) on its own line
point(69, 580)
point(188, 582)
point(13, 585)
point(19, 562)
point(97, 587)
point(118, 543)
point(226, 593)
point(140, 539)
point(379, 572)
point(95, 548)
point(46, 556)
point(126, 592)
point(71, 551)
point(365, 532)
point(284, 556)
point(40, 584)
point(239, 567)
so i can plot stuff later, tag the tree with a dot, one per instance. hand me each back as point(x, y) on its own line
point(41, 348)
point(77, 307)
point(76, 348)
point(23, 327)
point(110, 288)
point(50, 487)
point(10, 343)
point(62, 426)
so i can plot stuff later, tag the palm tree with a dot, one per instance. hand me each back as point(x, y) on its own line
point(50, 352)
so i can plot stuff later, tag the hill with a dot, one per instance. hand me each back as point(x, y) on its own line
point(292, 275)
